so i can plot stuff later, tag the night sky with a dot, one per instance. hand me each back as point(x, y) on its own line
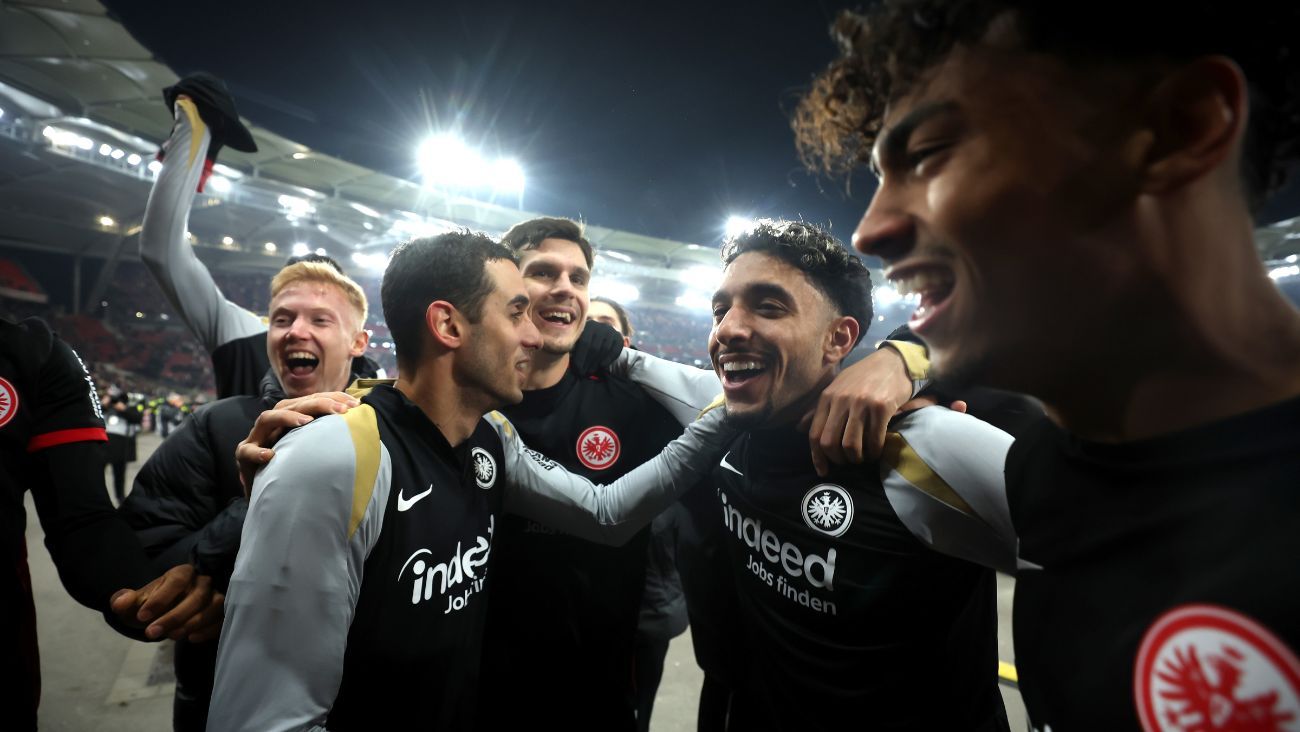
point(659, 118)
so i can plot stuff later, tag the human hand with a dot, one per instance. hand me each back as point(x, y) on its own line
point(848, 424)
point(179, 604)
point(254, 451)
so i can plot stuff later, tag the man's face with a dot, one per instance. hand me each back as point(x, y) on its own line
point(1006, 203)
point(312, 337)
point(770, 331)
point(603, 312)
point(556, 274)
point(501, 344)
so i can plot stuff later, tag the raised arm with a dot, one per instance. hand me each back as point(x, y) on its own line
point(296, 582)
point(542, 489)
point(185, 280)
point(943, 475)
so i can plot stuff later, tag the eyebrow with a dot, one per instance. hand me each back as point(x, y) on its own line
point(893, 140)
point(520, 300)
point(757, 291)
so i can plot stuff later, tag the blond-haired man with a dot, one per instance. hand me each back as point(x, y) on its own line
point(187, 503)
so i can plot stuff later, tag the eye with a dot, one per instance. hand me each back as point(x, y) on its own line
point(922, 159)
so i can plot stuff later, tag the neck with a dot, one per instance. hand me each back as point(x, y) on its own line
point(1214, 338)
point(546, 370)
point(453, 409)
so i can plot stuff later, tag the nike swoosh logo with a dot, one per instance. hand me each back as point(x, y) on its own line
point(404, 503)
point(728, 465)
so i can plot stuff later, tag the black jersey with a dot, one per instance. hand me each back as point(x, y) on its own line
point(849, 620)
point(51, 435)
point(1158, 587)
point(564, 611)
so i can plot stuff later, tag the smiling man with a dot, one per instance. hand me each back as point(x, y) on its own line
point(188, 504)
point(841, 587)
point(357, 600)
point(1070, 188)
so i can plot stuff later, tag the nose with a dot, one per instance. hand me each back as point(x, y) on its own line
point(733, 328)
point(529, 337)
point(298, 329)
point(886, 230)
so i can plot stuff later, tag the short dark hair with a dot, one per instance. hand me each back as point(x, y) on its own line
point(451, 267)
point(530, 234)
point(885, 51)
point(830, 268)
point(625, 325)
point(314, 257)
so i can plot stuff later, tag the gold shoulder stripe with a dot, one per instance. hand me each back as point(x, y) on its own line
point(196, 126)
point(362, 387)
point(902, 458)
point(501, 421)
point(364, 428)
point(915, 358)
point(718, 401)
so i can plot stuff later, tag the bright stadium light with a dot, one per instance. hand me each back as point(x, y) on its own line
point(446, 160)
point(295, 206)
point(320, 251)
point(219, 183)
point(737, 225)
point(694, 301)
point(885, 295)
point(133, 159)
point(154, 166)
point(362, 208)
point(269, 246)
point(620, 256)
point(299, 249)
point(702, 278)
point(105, 149)
point(323, 228)
point(616, 290)
point(117, 154)
point(227, 241)
point(377, 261)
point(106, 222)
point(227, 171)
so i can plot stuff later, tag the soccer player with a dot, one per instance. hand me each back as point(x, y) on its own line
point(357, 597)
point(1071, 190)
point(51, 443)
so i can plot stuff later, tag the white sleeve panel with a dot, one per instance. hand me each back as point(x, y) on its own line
point(295, 585)
point(683, 390)
point(943, 474)
point(543, 490)
point(184, 280)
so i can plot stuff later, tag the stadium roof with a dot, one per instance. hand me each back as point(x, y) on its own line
point(76, 88)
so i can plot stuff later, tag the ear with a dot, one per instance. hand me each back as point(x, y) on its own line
point(1197, 116)
point(444, 324)
point(840, 338)
point(360, 342)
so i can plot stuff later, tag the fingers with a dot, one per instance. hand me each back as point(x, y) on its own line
point(329, 402)
point(207, 625)
point(819, 418)
point(163, 592)
point(172, 624)
point(959, 406)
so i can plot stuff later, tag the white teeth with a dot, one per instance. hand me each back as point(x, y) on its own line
point(301, 354)
point(558, 315)
point(922, 280)
point(741, 366)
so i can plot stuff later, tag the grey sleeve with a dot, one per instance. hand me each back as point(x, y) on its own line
point(295, 585)
point(943, 474)
point(683, 390)
point(541, 489)
point(184, 280)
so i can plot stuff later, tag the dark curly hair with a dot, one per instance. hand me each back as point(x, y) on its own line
point(831, 268)
point(886, 49)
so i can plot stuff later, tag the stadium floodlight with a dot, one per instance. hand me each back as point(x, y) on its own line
point(320, 251)
point(296, 207)
point(227, 241)
point(227, 171)
point(299, 155)
point(1291, 258)
point(885, 295)
point(368, 226)
point(2, 112)
point(155, 166)
point(61, 137)
point(702, 278)
point(269, 246)
point(106, 222)
point(1278, 273)
point(105, 149)
point(220, 183)
point(323, 228)
point(737, 225)
point(117, 154)
point(620, 256)
point(616, 290)
point(133, 159)
point(694, 302)
point(446, 160)
point(299, 249)
point(377, 261)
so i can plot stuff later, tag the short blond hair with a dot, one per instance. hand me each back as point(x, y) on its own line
point(324, 274)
